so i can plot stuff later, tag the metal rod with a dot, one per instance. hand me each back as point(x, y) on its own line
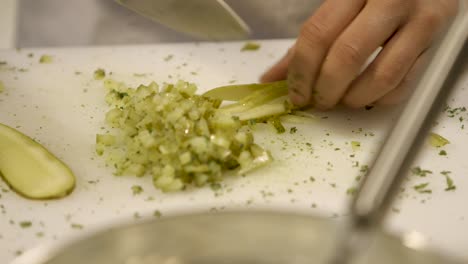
point(381, 184)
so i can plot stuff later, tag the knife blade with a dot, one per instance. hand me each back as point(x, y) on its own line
point(205, 19)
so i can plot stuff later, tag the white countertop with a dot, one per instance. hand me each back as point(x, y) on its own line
point(64, 111)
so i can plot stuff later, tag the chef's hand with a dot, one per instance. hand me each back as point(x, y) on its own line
point(324, 66)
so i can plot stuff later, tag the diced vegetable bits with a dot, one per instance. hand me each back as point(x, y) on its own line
point(177, 136)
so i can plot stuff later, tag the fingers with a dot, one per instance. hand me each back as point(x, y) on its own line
point(371, 29)
point(313, 43)
point(404, 88)
point(395, 69)
point(390, 67)
point(279, 71)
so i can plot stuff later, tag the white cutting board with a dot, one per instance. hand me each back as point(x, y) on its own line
point(64, 110)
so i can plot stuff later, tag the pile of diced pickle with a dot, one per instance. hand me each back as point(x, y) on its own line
point(177, 136)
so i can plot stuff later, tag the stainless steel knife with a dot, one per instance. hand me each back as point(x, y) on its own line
point(205, 19)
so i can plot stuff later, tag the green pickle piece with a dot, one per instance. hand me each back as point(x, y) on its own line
point(437, 140)
point(30, 169)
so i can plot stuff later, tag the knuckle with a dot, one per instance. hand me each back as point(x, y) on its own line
point(432, 18)
point(314, 33)
point(387, 78)
point(347, 53)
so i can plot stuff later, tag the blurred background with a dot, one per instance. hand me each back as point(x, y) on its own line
point(43, 23)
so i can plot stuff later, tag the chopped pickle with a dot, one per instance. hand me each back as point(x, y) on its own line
point(422, 188)
point(46, 59)
point(238, 92)
point(450, 185)
point(276, 124)
point(449, 181)
point(2, 87)
point(30, 169)
point(250, 46)
point(437, 140)
point(420, 172)
point(177, 136)
point(99, 74)
point(25, 224)
point(351, 191)
point(355, 145)
point(137, 189)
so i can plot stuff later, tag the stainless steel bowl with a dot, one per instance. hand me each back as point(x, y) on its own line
point(234, 237)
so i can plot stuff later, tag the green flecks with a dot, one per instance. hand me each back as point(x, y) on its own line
point(136, 216)
point(25, 224)
point(311, 179)
point(355, 145)
point(140, 75)
point(453, 112)
point(445, 173)
point(364, 169)
point(422, 188)
point(76, 226)
point(137, 189)
point(442, 153)
point(2, 87)
point(168, 57)
point(420, 172)
point(450, 185)
point(215, 186)
point(351, 191)
point(99, 74)
point(449, 181)
point(46, 59)
point(437, 140)
point(292, 130)
point(250, 46)
point(157, 214)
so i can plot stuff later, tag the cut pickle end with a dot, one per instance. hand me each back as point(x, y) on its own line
point(238, 92)
point(30, 169)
